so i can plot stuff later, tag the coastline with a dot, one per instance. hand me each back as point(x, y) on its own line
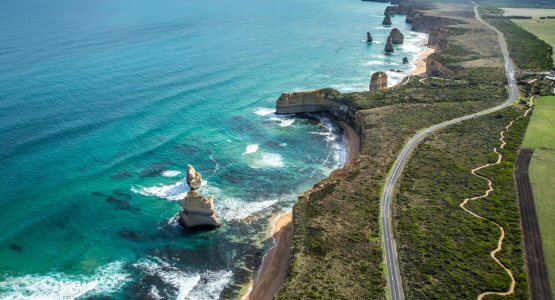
point(275, 264)
point(421, 61)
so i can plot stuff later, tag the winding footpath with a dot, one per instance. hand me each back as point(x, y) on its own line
point(394, 282)
point(511, 288)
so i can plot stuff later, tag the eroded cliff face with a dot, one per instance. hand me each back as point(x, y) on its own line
point(304, 102)
point(424, 23)
point(328, 101)
point(435, 66)
point(438, 37)
point(378, 81)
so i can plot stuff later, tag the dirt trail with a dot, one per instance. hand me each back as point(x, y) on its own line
point(485, 195)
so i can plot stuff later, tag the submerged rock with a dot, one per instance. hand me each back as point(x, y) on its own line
point(389, 46)
point(194, 178)
point(387, 20)
point(378, 81)
point(405, 60)
point(396, 36)
point(368, 37)
point(198, 212)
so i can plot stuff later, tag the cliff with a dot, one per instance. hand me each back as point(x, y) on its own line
point(435, 66)
point(438, 37)
point(327, 101)
point(424, 23)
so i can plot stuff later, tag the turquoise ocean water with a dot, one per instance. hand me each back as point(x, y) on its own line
point(104, 103)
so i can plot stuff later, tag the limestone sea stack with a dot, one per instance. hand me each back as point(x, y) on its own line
point(198, 212)
point(390, 10)
point(387, 20)
point(368, 37)
point(389, 46)
point(405, 60)
point(194, 178)
point(396, 36)
point(378, 81)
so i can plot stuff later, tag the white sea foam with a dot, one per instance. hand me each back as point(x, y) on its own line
point(264, 111)
point(283, 121)
point(105, 280)
point(171, 173)
point(174, 192)
point(186, 284)
point(273, 160)
point(286, 122)
point(230, 208)
point(251, 148)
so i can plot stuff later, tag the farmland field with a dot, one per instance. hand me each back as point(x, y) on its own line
point(541, 136)
point(529, 12)
point(542, 28)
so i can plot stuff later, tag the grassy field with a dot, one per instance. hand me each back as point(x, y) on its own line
point(527, 50)
point(528, 12)
point(542, 28)
point(541, 137)
point(443, 250)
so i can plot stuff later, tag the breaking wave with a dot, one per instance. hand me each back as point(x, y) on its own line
point(105, 280)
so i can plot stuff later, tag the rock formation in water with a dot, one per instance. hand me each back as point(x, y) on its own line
point(194, 178)
point(390, 10)
point(435, 66)
point(197, 211)
point(410, 16)
point(405, 60)
point(387, 20)
point(378, 81)
point(368, 37)
point(396, 36)
point(389, 45)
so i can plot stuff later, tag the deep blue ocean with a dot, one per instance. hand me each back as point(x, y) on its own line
point(104, 103)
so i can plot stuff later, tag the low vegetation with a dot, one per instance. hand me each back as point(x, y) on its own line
point(336, 249)
point(443, 249)
point(527, 50)
point(542, 126)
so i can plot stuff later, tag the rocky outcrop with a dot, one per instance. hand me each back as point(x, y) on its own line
point(389, 45)
point(396, 36)
point(378, 81)
point(438, 37)
point(387, 20)
point(405, 60)
point(198, 212)
point(390, 10)
point(368, 37)
point(410, 16)
point(435, 66)
point(194, 178)
point(304, 102)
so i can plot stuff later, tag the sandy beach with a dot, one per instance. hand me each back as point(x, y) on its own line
point(421, 61)
point(275, 264)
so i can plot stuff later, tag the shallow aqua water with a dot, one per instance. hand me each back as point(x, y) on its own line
point(104, 103)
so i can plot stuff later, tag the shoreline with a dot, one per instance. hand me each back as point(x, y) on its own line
point(275, 263)
point(420, 68)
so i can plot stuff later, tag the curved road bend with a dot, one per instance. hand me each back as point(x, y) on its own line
point(393, 274)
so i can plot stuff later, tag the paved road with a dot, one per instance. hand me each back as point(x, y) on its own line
point(393, 275)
